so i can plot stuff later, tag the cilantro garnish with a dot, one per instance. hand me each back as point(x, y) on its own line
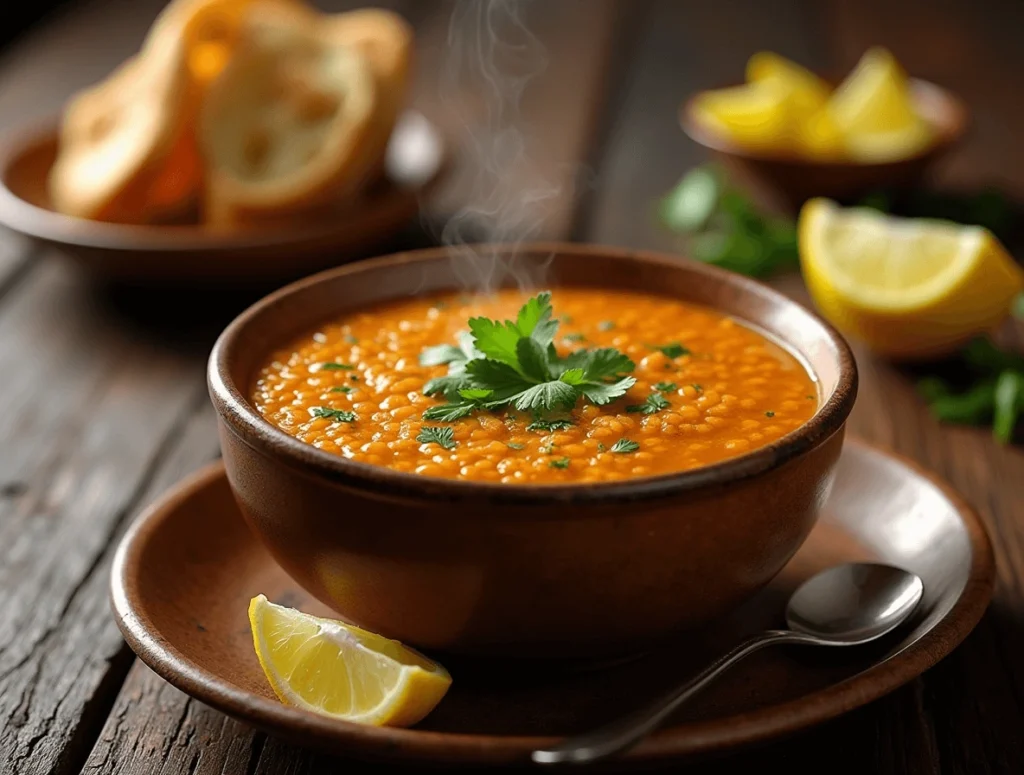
point(562, 462)
point(336, 367)
point(338, 415)
point(605, 325)
point(697, 387)
point(443, 437)
point(601, 447)
point(655, 403)
point(769, 414)
point(623, 446)
point(670, 350)
point(514, 363)
point(549, 425)
point(574, 337)
point(515, 445)
point(666, 387)
point(341, 389)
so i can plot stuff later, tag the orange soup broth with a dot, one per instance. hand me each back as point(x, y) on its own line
point(732, 392)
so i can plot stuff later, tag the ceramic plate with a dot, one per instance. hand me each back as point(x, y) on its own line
point(192, 254)
point(186, 570)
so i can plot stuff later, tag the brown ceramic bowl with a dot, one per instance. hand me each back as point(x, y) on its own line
point(516, 570)
point(795, 179)
point(192, 255)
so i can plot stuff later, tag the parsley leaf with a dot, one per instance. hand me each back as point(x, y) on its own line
point(443, 353)
point(341, 389)
point(515, 445)
point(605, 325)
point(450, 412)
point(769, 414)
point(443, 437)
point(623, 446)
point(562, 462)
point(666, 387)
point(549, 425)
point(336, 367)
point(574, 337)
point(671, 350)
point(655, 403)
point(338, 415)
point(501, 363)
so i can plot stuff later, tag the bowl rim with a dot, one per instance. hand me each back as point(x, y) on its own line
point(31, 220)
point(949, 133)
point(241, 419)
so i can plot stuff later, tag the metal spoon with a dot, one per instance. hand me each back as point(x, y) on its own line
point(844, 606)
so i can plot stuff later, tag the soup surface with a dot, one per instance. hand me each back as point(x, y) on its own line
point(706, 389)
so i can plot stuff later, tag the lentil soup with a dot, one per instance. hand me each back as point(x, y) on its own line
point(699, 388)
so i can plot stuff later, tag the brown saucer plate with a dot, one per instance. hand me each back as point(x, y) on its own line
point(195, 254)
point(187, 568)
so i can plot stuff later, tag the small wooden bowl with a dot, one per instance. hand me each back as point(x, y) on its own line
point(552, 571)
point(194, 255)
point(795, 179)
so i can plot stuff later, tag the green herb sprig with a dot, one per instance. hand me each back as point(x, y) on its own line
point(515, 363)
point(442, 436)
point(338, 415)
point(993, 394)
point(724, 227)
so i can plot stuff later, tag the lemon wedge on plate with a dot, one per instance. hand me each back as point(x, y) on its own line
point(874, 110)
point(339, 670)
point(908, 288)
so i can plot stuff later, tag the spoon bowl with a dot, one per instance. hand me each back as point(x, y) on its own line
point(853, 604)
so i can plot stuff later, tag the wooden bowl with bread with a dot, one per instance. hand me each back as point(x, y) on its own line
point(247, 140)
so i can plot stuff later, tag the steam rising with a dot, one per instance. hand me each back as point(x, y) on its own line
point(492, 57)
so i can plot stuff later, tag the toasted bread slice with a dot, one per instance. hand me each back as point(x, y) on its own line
point(116, 137)
point(286, 126)
point(386, 40)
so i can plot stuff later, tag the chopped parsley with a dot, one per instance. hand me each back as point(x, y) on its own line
point(698, 388)
point(547, 449)
point(565, 319)
point(769, 414)
point(330, 366)
point(549, 425)
point(574, 337)
point(515, 445)
point(666, 387)
point(443, 437)
point(605, 325)
point(601, 447)
point(514, 363)
point(655, 403)
point(622, 446)
point(351, 339)
point(671, 350)
point(341, 389)
point(338, 415)
point(562, 462)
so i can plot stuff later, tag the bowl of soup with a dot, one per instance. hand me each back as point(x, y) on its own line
point(407, 456)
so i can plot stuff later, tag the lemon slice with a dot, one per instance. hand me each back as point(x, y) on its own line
point(338, 670)
point(907, 288)
point(756, 115)
point(874, 110)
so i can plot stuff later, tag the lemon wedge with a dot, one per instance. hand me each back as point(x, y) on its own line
point(808, 92)
point(908, 288)
point(339, 670)
point(874, 110)
point(758, 115)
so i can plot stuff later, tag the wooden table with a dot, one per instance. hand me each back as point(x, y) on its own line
point(104, 399)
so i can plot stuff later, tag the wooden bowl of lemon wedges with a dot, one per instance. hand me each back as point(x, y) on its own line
point(788, 130)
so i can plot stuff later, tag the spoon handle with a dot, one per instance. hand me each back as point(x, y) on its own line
point(624, 732)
